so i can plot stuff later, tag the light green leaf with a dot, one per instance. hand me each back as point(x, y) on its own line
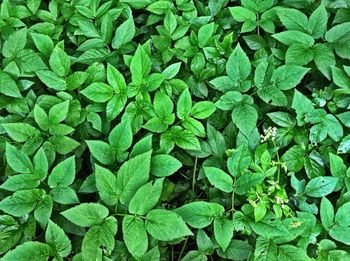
point(106, 183)
point(166, 225)
point(120, 138)
point(8, 86)
point(124, 33)
point(318, 22)
point(18, 160)
point(184, 105)
point(164, 165)
point(223, 232)
point(58, 112)
point(101, 151)
point(98, 92)
point(320, 186)
point(59, 62)
point(140, 65)
point(200, 214)
point(146, 197)
point(57, 239)
point(86, 214)
point(132, 175)
point(219, 179)
point(15, 43)
point(205, 32)
point(29, 250)
point(203, 110)
point(135, 235)
point(63, 174)
point(238, 66)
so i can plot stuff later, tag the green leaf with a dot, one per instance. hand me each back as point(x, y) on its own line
point(242, 14)
point(132, 175)
point(342, 216)
point(219, 179)
point(318, 21)
point(140, 65)
point(18, 160)
point(344, 146)
point(99, 236)
point(203, 110)
point(15, 43)
point(63, 174)
point(59, 62)
point(294, 158)
point(245, 117)
point(52, 80)
point(20, 132)
point(43, 43)
point(340, 234)
point(86, 214)
point(98, 92)
point(163, 105)
point(223, 232)
point(120, 137)
point(124, 33)
point(8, 86)
point(302, 105)
point(340, 78)
point(238, 66)
point(20, 182)
point(247, 181)
point(200, 214)
point(205, 32)
point(239, 161)
point(58, 112)
point(282, 119)
point(135, 235)
point(299, 54)
point(101, 151)
point(29, 250)
point(293, 19)
point(289, 252)
point(21, 202)
point(146, 197)
point(337, 166)
point(324, 59)
point(288, 76)
point(64, 195)
point(57, 239)
point(164, 165)
point(236, 250)
point(326, 213)
point(33, 5)
point(41, 117)
point(43, 210)
point(293, 37)
point(184, 105)
point(106, 183)
point(166, 225)
point(259, 211)
point(172, 70)
point(320, 186)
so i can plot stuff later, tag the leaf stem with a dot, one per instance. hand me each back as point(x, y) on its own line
point(182, 249)
point(279, 163)
point(194, 173)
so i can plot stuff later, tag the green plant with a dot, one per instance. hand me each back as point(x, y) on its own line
point(174, 130)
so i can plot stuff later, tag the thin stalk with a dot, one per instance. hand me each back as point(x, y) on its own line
point(278, 165)
point(194, 173)
point(182, 249)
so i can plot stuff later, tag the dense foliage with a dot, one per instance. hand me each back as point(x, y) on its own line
point(174, 130)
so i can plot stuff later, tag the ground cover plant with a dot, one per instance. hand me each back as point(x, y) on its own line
point(174, 130)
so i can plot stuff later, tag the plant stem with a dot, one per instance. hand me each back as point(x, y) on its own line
point(278, 165)
point(194, 173)
point(182, 249)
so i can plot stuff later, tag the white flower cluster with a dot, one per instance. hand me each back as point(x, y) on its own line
point(270, 132)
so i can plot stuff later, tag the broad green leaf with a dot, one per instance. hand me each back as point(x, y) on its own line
point(326, 213)
point(57, 239)
point(184, 105)
point(242, 14)
point(43, 43)
point(166, 225)
point(290, 252)
point(29, 250)
point(245, 117)
point(302, 105)
point(43, 210)
point(223, 232)
point(146, 197)
point(320, 186)
point(135, 235)
point(294, 158)
point(20, 182)
point(101, 151)
point(63, 174)
point(239, 161)
point(64, 195)
point(205, 32)
point(340, 233)
point(293, 19)
point(124, 33)
point(324, 59)
point(59, 62)
point(342, 216)
point(292, 37)
point(200, 214)
point(52, 80)
point(238, 66)
point(318, 22)
point(98, 92)
point(86, 214)
point(164, 165)
point(132, 175)
point(236, 250)
point(18, 160)
point(140, 65)
point(106, 183)
point(247, 181)
point(120, 137)
point(8, 86)
point(58, 112)
point(21, 202)
point(203, 110)
point(219, 179)
point(15, 43)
